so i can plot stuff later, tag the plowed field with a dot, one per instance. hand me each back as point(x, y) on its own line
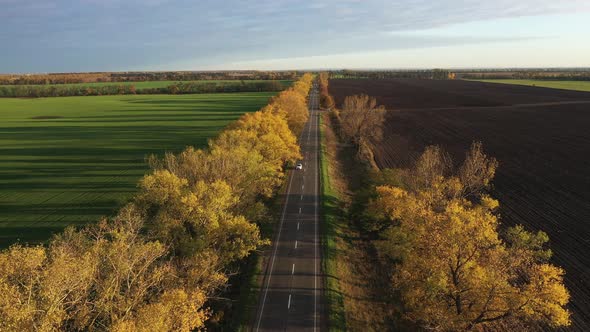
point(540, 136)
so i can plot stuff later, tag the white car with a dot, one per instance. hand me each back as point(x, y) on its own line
point(299, 166)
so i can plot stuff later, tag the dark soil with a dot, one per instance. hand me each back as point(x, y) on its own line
point(540, 136)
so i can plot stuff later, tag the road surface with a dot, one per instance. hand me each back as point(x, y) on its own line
point(291, 294)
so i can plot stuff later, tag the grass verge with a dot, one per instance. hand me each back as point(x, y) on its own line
point(355, 283)
point(244, 294)
point(331, 217)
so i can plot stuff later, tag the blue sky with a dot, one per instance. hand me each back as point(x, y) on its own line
point(115, 35)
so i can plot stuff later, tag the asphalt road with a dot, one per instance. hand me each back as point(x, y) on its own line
point(291, 294)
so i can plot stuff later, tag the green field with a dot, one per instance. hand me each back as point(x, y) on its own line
point(152, 84)
point(566, 85)
point(71, 160)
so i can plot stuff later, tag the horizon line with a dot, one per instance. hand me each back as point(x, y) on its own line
point(305, 70)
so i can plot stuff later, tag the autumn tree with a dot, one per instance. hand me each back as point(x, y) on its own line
point(245, 171)
point(361, 122)
point(362, 119)
point(106, 276)
point(249, 156)
point(326, 100)
point(430, 168)
point(270, 127)
point(196, 219)
point(292, 103)
point(323, 79)
point(451, 267)
point(156, 263)
point(303, 84)
point(477, 171)
point(22, 306)
point(294, 106)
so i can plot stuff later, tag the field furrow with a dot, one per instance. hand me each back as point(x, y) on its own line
point(69, 161)
point(543, 149)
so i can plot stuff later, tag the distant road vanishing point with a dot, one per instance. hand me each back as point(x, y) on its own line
point(291, 297)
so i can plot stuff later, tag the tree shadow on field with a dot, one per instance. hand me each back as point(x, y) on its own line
point(50, 218)
point(220, 103)
point(123, 132)
point(26, 234)
point(197, 118)
point(81, 185)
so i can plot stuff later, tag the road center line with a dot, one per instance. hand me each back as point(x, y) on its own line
point(314, 145)
point(276, 246)
point(295, 244)
point(316, 194)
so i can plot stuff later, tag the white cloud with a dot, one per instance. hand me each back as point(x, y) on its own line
point(205, 32)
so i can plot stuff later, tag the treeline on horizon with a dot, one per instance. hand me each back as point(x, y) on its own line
point(60, 90)
point(437, 74)
point(162, 262)
point(578, 74)
point(70, 78)
point(528, 75)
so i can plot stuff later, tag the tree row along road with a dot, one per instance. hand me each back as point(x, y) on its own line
point(291, 294)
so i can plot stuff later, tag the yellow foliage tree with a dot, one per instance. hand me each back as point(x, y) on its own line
point(295, 107)
point(249, 156)
point(153, 266)
point(198, 218)
point(303, 84)
point(106, 276)
point(451, 268)
point(277, 144)
point(175, 311)
point(326, 100)
point(22, 307)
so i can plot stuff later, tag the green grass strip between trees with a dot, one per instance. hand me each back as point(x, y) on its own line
point(330, 212)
